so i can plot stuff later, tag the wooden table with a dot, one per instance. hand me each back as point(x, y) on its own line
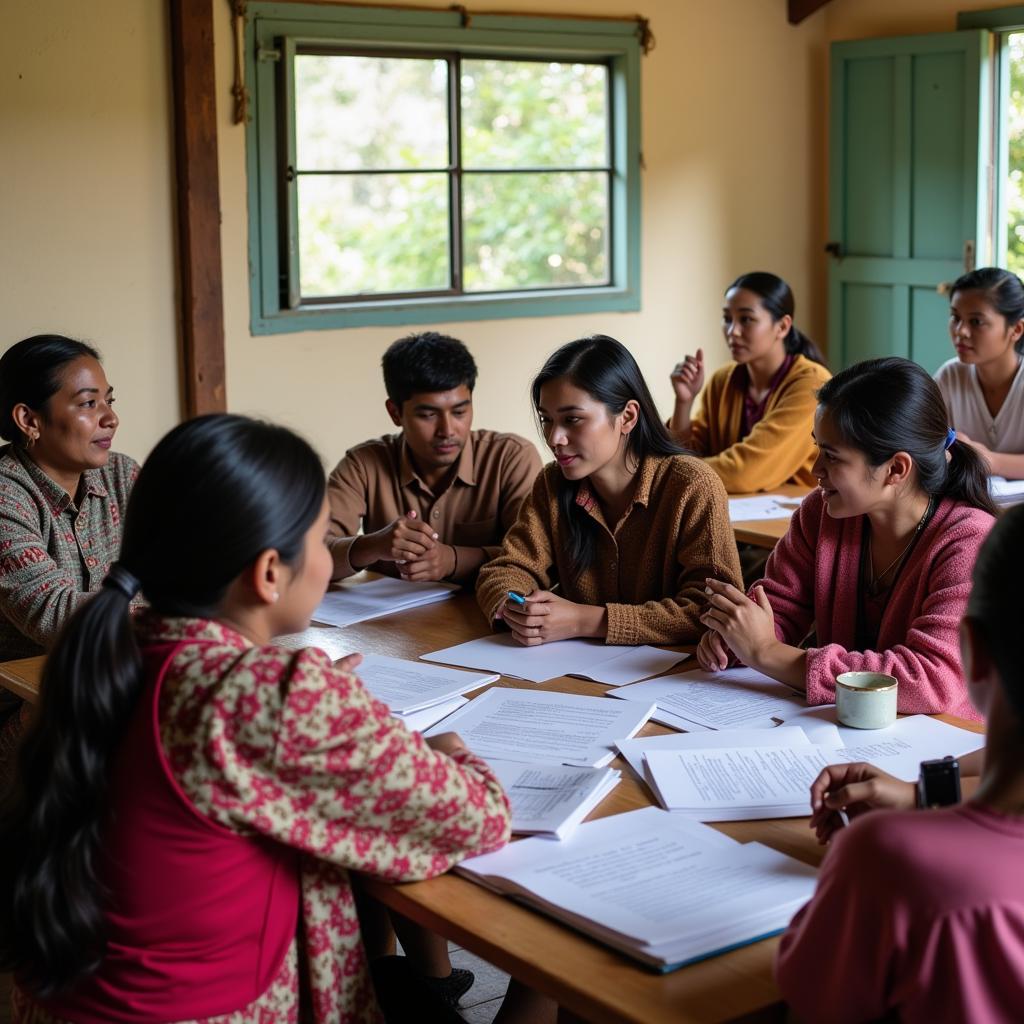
point(590, 980)
point(763, 533)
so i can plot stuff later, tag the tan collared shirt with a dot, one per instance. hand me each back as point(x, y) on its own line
point(375, 483)
point(648, 572)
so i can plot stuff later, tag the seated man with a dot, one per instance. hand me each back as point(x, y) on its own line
point(435, 499)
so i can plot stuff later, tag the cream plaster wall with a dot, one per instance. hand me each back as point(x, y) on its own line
point(731, 129)
point(734, 130)
point(86, 194)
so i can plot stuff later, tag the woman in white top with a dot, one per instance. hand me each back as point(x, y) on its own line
point(984, 386)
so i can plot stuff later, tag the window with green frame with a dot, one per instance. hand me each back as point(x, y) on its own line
point(405, 167)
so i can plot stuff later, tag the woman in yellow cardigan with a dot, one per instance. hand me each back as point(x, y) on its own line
point(756, 416)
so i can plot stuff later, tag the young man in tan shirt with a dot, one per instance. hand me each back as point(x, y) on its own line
point(434, 500)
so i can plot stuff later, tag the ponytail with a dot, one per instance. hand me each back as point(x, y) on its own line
point(967, 478)
point(777, 298)
point(885, 406)
point(223, 488)
point(53, 815)
point(797, 343)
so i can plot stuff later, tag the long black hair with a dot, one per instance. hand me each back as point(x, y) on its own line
point(1003, 291)
point(993, 605)
point(885, 406)
point(777, 298)
point(606, 370)
point(214, 493)
point(30, 374)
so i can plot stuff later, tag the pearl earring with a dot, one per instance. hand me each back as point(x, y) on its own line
point(274, 596)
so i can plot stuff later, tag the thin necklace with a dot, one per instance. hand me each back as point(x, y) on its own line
point(874, 586)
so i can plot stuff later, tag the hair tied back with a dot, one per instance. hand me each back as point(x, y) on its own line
point(119, 578)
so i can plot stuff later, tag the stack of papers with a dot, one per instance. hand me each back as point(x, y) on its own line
point(738, 698)
point(407, 686)
point(662, 889)
point(763, 506)
point(589, 659)
point(1006, 492)
point(540, 726)
point(737, 783)
point(420, 721)
point(552, 799)
point(419, 695)
point(361, 601)
point(751, 774)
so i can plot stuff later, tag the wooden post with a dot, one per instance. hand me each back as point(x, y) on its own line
point(198, 202)
point(800, 9)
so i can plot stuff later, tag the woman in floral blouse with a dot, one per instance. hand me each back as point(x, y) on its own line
point(191, 798)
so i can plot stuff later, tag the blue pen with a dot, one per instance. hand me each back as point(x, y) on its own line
point(517, 598)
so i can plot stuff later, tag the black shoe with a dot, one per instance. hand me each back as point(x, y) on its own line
point(452, 988)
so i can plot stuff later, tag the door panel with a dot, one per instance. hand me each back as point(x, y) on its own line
point(909, 149)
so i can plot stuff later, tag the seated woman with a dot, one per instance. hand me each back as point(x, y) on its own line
point(919, 915)
point(754, 425)
point(189, 791)
point(877, 560)
point(622, 522)
point(62, 495)
point(984, 386)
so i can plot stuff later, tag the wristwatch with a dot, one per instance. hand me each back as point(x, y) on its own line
point(938, 785)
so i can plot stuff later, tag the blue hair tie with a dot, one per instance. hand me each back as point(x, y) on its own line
point(950, 438)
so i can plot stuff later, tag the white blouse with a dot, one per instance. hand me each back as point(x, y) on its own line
point(968, 412)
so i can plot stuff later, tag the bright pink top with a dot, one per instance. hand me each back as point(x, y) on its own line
point(917, 914)
point(812, 577)
point(199, 917)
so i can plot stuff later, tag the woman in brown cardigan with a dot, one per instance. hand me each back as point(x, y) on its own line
point(621, 531)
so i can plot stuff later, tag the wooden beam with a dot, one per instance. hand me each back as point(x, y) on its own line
point(198, 201)
point(800, 9)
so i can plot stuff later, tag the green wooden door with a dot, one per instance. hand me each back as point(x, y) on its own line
point(910, 159)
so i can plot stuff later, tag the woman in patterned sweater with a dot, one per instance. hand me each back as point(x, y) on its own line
point(192, 798)
point(62, 494)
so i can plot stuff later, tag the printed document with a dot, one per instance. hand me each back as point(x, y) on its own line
point(589, 659)
point(545, 726)
point(410, 686)
point(359, 602)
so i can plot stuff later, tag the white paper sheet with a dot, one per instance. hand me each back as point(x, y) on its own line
point(552, 799)
point(633, 750)
point(538, 726)
point(410, 685)
point(1006, 492)
point(590, 659)
point(762, 506)
point(363, 601)
point(420, 721)
point(738, 698)
point(651, 885)
point(900, 749)
point(737, 783)
point(334, 642)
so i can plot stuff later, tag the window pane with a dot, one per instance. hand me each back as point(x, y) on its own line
point(371, 233)
point(370, 113)
point(543, 230)
point(1015, 140)
point(534, 114)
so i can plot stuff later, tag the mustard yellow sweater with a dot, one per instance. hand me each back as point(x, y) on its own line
point(779, 450)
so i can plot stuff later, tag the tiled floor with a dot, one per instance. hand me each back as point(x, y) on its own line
point(479, 1004)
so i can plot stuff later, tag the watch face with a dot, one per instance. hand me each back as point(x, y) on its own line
point(940, 782)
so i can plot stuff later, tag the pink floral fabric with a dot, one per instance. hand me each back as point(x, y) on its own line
point(280, 743)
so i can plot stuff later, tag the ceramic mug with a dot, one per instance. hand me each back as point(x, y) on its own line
point(866, 700)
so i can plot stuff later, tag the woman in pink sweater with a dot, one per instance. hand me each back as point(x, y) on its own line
point(914, 930)
point(877, 560)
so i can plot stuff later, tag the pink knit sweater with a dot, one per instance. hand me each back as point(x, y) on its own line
point(812, 578)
